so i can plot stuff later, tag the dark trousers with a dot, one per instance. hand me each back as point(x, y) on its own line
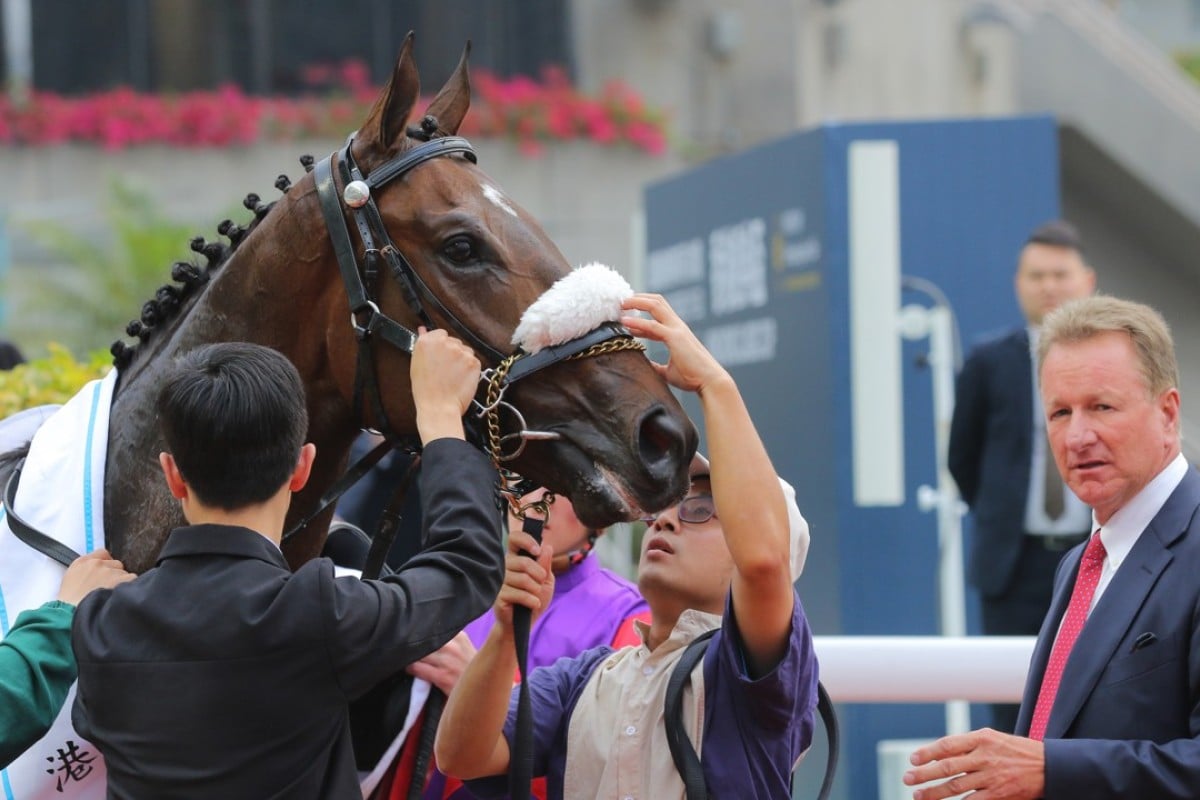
point(1021, 610)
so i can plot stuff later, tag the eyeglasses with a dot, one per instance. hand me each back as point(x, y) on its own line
point(693, 509)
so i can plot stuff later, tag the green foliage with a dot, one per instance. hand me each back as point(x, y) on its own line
point(86, 301)
point(52, 379)
point(1190, 61)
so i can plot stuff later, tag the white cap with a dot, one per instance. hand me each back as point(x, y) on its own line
point(797, 525)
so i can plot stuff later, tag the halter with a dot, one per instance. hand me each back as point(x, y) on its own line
point(368, 321)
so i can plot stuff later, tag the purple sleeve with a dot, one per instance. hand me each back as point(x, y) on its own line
point(761, 725)
point(786, 693)
point(553, 692)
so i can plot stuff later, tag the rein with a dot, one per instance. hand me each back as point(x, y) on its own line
point(44, 544)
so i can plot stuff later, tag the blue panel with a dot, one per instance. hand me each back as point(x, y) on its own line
point(970, 192)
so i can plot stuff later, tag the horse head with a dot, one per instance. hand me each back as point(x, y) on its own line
point(612, 436)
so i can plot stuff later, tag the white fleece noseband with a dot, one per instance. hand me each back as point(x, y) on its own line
point(577, 303)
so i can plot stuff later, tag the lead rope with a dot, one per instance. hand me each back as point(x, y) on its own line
point(520, 768)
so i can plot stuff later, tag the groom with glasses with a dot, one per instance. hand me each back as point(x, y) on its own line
point(723, 559)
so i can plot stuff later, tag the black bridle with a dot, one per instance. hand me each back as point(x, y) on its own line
point(360, 281)
point(371, 324)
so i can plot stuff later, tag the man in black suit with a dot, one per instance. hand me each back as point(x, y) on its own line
point(1112, 702)
point(1024, 520)
point(220, 673)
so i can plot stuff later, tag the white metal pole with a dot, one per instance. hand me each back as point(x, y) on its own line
point(937, 324)
point(952, 594)
point(18, 46)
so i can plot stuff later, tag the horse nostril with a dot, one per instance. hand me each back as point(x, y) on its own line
point(661, 442)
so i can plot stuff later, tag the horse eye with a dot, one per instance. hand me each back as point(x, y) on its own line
point(460, 250)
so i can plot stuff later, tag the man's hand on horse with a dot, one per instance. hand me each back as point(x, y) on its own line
point(445, 376)
point(690, 366)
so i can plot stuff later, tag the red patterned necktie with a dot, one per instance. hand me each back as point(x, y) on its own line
point(1090, 567)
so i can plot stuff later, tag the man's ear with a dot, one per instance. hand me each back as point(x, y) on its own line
point(304, 463)
point(175, 481)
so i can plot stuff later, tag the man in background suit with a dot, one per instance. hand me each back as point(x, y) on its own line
point(1112, 702)
point(1024, 520)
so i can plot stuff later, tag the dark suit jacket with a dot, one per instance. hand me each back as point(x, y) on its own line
point(1126, 722)
point(220, 674)
point(991, 440)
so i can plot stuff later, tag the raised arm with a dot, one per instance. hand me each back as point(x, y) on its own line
point(745, 487)
point(470, 740)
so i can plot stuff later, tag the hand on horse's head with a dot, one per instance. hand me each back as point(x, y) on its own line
point(445, 376)
point(690, 366)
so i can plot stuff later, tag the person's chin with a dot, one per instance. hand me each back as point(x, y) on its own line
point(655, 570)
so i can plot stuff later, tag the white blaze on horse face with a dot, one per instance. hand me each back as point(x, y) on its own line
point(497, 197)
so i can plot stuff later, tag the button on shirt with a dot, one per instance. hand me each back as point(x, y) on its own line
point(620, 697)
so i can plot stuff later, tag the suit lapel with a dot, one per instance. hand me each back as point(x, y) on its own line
point(1110, 620)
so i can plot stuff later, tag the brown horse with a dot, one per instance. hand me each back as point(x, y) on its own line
point(618, 442)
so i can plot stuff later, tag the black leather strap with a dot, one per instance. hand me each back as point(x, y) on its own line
point(353, 475)
point(389, 523)
point(520, 763)
point(375, 323)
point(683, 753)
point(441, 146)
point(28, 534)
point(528, 364)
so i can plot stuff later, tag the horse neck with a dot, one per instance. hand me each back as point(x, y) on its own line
point(277, 289)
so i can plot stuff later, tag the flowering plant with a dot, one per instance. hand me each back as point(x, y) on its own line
point(531, 112)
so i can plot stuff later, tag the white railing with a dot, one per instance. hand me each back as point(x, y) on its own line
point(924, 669)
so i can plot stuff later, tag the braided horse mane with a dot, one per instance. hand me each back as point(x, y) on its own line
point(171, 302)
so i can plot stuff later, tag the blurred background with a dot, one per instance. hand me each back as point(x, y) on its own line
point(129, 126)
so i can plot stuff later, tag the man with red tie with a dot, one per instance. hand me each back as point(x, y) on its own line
point(1112, 702)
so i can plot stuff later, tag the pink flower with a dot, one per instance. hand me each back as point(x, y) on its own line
point(531, 112)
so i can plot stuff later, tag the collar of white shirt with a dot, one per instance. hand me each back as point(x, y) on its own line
point(1124, 527)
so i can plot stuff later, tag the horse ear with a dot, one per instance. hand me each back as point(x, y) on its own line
point(390, 113)
point(452, 102)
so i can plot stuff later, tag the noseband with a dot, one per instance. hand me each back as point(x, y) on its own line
point(368, 322)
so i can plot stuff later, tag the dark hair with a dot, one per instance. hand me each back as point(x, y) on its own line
point(234, 418)
point(1057, 233)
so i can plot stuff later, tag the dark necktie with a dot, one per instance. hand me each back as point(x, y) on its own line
point(1090, 567)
